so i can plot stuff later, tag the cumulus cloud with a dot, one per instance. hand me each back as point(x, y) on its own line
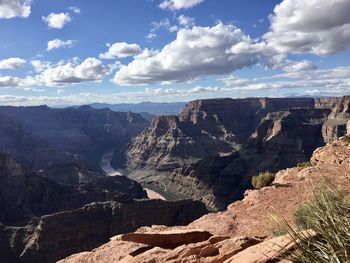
point(58, 43)
point(313, 26)
point(11, 63)
point(196, 52)
point(14, 8)
point(40, 65)
point(91, 69)
point(61, 74)
point(57, 21)
point(185, 21)
point(179, 4)
point(120, 50)
point(7, 81)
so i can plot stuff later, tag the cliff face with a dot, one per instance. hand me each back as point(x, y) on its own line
point(335, 126)
point(25, 196)
point(213, 147)
point(42, 221)
point(203, 129)
point(326, 102)
point(36, 136)
point(58, 235)
point(242, 233)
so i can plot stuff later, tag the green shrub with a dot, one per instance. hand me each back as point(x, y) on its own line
point(263, 179)
point(328, 215)
point(300, 217)
point(346, 139)
point(304, 165)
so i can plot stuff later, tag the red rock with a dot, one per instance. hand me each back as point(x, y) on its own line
point(168, 239)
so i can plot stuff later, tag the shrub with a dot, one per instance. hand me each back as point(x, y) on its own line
point(263, 179)
point(300, 217)
point(304, 165)
point(328, 215)
point(346, 139)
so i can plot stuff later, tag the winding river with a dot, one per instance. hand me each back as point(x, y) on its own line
point(106, 166)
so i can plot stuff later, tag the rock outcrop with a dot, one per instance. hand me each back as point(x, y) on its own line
point(42, 220)
point(244, 232)
point(25, 196)
point(167, 239)
point(335, 126)
point(212, 148)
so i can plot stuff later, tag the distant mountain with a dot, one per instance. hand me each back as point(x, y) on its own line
point(154, 108)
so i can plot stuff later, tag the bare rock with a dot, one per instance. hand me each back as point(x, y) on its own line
point(168, 239)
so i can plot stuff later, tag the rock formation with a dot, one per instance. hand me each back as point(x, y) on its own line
point(242, 233)
point(335, 126)
point(36, 136)
point(213, 147)
point(42, 220)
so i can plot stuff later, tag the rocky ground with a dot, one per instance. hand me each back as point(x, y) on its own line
point(242, 233)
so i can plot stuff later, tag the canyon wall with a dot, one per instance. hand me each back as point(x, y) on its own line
point(211, 150)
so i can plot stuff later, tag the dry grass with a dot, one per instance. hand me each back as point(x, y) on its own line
point(328, 215)
point(263, 179)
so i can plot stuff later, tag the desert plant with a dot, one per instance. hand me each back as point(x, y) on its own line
point(304, 165)
point(346, 139)
point(300, 217)
point(263, 179)
point(328, 215)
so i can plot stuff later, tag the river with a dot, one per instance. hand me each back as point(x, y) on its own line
point(106, 166)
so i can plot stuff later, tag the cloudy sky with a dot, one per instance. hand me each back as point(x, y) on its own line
point(82, 51)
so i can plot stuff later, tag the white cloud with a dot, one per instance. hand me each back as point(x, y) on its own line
point(121, 50)
point(40, 65)
point(75, 9)
point(186, 21)
point(151, 35)
point(91, 69)
point(196, 52)
point(334, 81)
point(61, 74)
point(14, 8)
point(7, 81)
point(179, 4)
point(11, 63)
point(296, 66)
point(313, 26)
point(162, 24)
point(234, 81)
point(57, 20)
point(329, 82)
point(58, 43)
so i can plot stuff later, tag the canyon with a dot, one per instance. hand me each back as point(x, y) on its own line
point(212, 148)
point(72, 178)
point(244, 232)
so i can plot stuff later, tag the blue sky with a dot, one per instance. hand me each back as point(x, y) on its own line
point(75, 52)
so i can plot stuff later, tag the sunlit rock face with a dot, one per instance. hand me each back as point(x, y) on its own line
point(213, 147)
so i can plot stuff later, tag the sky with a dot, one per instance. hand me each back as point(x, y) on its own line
point(69, 52)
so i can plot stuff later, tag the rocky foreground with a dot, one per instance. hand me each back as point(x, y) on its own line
point(242, 233)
